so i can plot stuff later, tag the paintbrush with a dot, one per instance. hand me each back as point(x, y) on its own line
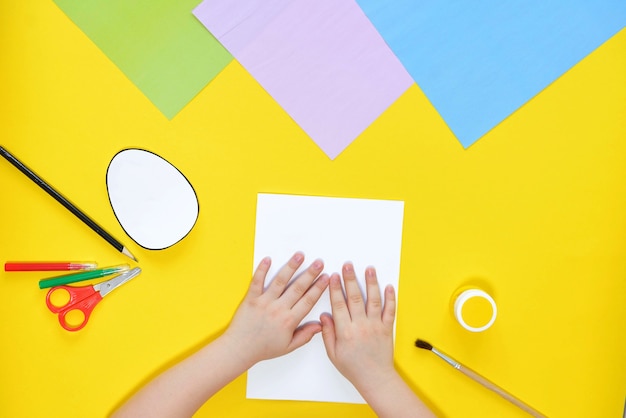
point(478, 378)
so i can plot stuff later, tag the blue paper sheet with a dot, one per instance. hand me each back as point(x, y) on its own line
point(479, 61)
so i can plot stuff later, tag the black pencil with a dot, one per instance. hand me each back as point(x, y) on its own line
point(65, 202)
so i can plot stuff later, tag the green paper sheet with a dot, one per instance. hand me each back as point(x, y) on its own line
point(158, 44)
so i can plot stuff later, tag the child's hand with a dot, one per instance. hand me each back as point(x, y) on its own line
point(266, 323)
point(359, 335)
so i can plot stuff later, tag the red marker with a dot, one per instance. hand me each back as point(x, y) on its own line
point(47, 266)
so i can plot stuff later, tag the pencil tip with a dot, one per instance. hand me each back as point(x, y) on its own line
point(423, 344)
point(128, 254)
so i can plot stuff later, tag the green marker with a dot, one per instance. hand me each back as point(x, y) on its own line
point(85, 275)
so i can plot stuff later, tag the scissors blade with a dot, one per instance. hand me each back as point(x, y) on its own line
point(108, 286)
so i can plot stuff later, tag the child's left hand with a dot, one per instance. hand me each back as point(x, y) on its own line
point(266, 324)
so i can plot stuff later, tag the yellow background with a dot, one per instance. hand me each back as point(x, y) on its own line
point(536, 210)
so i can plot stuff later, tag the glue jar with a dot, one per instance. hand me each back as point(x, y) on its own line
point(474, 309)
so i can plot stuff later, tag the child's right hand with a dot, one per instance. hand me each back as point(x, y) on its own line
point(359, 342)
point(359, 335)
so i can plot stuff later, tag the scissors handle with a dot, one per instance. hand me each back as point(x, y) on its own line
point(83, 299)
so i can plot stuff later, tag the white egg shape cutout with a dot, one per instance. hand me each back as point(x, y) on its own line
point(151, 199)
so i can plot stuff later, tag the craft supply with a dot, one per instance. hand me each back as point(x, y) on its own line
point(478, 62)
point(158, 45)
point(480, 379)
point(474, 309)
point(334, 229)
point(152, 200)
point(322, 61)
point(79, 277)
point(66, 203)
point(83, 299)
point(47, 266)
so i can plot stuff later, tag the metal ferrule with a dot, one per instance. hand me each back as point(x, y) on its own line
point(447, 359)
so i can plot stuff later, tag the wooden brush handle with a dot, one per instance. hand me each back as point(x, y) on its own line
point(495, 388)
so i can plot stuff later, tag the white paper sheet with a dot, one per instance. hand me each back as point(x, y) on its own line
point(365, 232)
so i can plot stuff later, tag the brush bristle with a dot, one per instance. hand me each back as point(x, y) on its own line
point(423, 344)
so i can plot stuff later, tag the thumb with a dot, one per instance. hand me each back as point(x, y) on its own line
point(303, 335)
point(328, 334)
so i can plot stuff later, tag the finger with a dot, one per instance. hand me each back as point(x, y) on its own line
point(258, 278)
point(389, 310)
point(299, 286)
point(356, 304)
point(339, 307)
point(328, 334)
point(304, 305)
point(303, 335)
point(374, 301)
point(280, 282)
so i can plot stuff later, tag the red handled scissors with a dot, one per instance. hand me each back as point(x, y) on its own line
point(85, 298)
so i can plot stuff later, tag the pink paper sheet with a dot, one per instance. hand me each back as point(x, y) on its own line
point(321, 60)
